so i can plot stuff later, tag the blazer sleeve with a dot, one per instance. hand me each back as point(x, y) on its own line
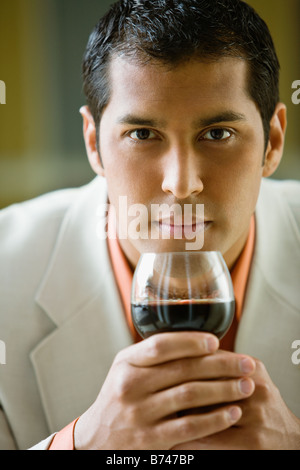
point(7, 441)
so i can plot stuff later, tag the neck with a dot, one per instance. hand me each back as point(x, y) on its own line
point(232, 255)
point(131, 254)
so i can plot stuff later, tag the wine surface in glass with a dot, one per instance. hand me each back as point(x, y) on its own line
point(210, 315)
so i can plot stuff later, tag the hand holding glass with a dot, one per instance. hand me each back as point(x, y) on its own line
point(190, 291)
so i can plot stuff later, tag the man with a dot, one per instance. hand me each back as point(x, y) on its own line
point(183, 108)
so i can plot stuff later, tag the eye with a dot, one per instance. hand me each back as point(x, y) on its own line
point(217, 135)
point(141, 134)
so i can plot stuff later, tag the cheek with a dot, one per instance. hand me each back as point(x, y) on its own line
point(125, 178)
point(242, 201)
point(234, 187)
point(130, 176)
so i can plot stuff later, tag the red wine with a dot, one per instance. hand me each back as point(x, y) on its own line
point(214, 316)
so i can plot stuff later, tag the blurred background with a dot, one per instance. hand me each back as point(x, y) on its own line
point(41, 47)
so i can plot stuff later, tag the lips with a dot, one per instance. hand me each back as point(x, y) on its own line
point(169, 228)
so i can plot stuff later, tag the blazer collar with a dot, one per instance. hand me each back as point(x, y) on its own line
point(273, 297)
point(278, 241)
point(80, 261)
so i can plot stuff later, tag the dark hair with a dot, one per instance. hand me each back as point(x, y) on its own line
point(173, 31)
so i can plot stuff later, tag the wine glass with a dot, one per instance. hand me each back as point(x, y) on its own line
point(189, 291)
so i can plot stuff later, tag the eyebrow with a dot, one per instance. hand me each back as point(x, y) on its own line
point(226, 116)
point(140, 121)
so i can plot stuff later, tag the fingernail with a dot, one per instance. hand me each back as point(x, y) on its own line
point(247, 365)
point(246, 386)
point(235, 413)
point(212, 344)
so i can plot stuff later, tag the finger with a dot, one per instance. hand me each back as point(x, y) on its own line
point(192, 427)
point(200, 394)
point(227, 439)
point(165, 347)
point(215, 366)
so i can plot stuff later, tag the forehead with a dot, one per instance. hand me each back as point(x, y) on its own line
point(190, 82)
point(178, 97)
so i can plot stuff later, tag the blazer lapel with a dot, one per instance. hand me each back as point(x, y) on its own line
point(271, 317)
point(80, 295)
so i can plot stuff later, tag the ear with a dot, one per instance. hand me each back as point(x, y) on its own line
point(275, 148)
point(90, 138)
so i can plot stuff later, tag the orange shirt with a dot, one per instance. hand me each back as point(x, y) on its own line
point(64, 440)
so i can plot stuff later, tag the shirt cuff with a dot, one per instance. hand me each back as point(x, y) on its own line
point(64, 439)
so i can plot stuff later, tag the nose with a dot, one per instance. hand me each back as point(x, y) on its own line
point(181, 174)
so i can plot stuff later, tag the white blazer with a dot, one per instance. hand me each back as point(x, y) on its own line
point(61, 317)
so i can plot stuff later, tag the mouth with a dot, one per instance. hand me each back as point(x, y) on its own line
point(168, 228)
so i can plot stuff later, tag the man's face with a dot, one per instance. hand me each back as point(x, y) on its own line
point(186, 135)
